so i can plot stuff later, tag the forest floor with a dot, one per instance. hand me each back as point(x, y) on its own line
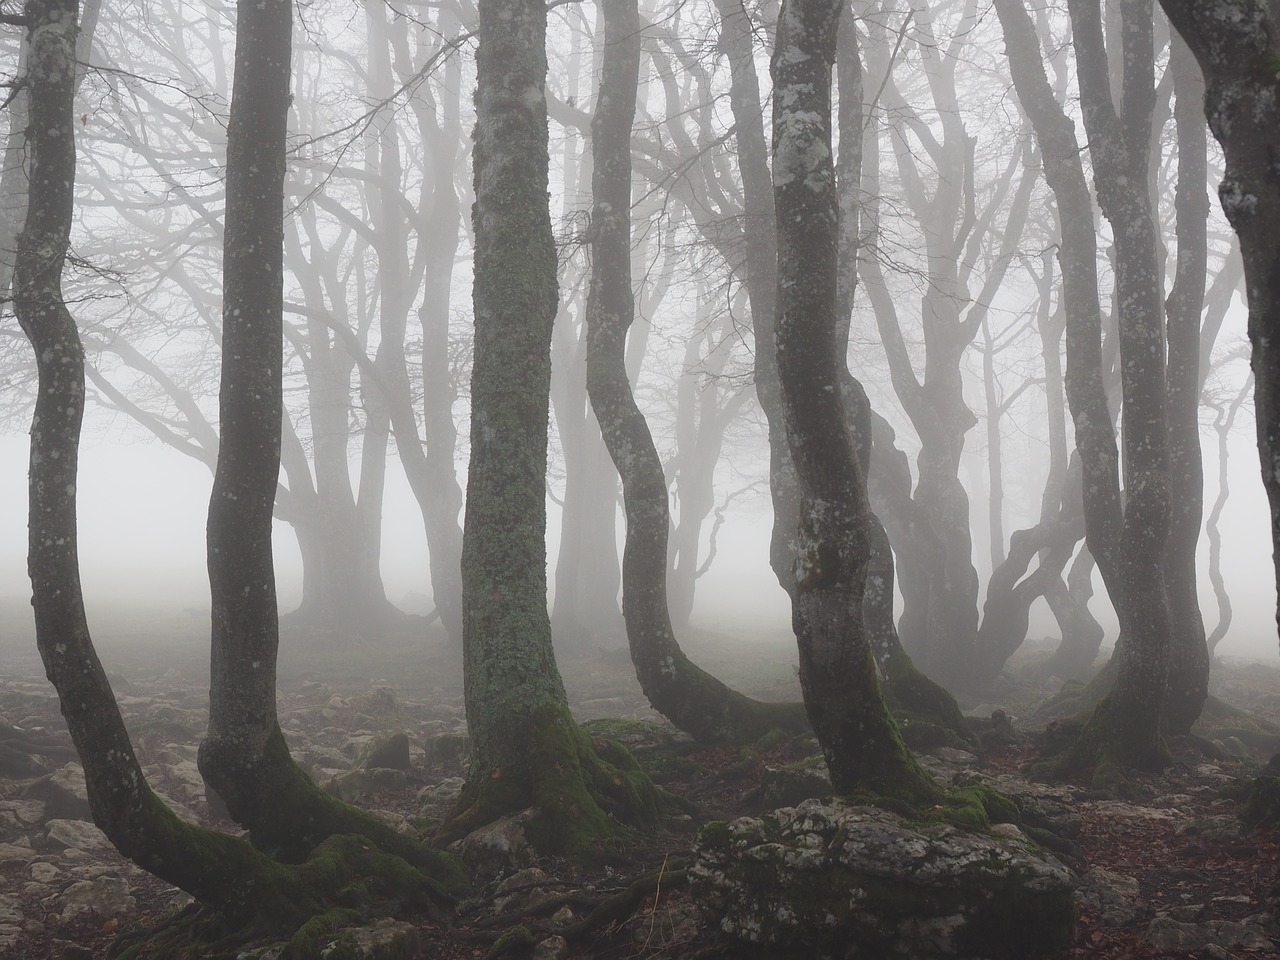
point(1165, 871)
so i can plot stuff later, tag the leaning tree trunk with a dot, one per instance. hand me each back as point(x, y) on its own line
point(692, 699)
point(525, 748)
point(1238, 47)
point(219, 870)
point(837, 671)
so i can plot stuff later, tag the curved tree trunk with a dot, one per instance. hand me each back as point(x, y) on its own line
point(837, 670)
point(692, 699)
point(224, 872)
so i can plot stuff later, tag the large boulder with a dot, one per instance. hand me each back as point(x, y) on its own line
point(830, 879)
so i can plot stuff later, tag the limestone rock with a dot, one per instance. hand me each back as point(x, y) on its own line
point(1112, 897)
point(63, 793)
point(385, 940)
point(552, 948)
point(106, 897)
point(77, 834)
point(526, 891)
point(833, 879)
point(16, 853)
point(786, 785)
point(388, 751)
point(497, 846)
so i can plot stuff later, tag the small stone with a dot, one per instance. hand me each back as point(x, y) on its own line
point(42, 872)
point(553, 948)
point(15, 853)
point(388, 751)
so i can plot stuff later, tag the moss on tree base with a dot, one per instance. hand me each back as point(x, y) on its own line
point(927, 712)
point(585, 791)
point(1113, 743)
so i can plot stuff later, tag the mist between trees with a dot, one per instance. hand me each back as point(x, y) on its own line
point(963, 325)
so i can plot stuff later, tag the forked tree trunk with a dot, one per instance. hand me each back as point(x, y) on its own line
point(692, 699)
point(837, 671)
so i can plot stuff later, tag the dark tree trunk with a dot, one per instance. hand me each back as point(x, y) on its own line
point(219, 870)
point(692, 699)
point(1238, 46)
point(1126, 727)
point(837, 670)
point(1188, 682)
point(525, 748)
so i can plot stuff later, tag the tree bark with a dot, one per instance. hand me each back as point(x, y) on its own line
point(525, 748)
point(692, 699)
point(1238, 47)
point(859, 739)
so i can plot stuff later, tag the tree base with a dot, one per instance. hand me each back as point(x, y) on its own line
point(1112, 743)
point(586, 792)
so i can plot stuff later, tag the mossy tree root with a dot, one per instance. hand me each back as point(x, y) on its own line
point(1112, 744)
point(914, 698)
point(585, 791)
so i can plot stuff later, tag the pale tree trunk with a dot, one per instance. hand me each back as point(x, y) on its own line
point(1238, 46)
point(1222, 424)
point(837, 670)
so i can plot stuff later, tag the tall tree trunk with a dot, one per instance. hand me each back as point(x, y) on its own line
point(525, 748)
point(1188, 681)
point(224, 872)
point(1238, 46)
point(837, 670)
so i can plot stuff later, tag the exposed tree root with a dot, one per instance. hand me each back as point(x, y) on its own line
point(587, 792)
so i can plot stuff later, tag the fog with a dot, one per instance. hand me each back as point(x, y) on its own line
point(142, 517)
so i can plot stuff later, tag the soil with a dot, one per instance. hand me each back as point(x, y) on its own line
point(1185, 872)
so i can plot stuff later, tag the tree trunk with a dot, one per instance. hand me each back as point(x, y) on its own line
point(692, 699)
point(246, 887)
point(1238, 46)
point(1188, 681)
point(525, 748)
point(859, 739)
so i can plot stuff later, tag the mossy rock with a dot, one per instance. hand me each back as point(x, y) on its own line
point(833, 879)
point(387, 751)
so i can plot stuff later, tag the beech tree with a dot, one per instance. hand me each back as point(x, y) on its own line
point(1238, 48)
point(252, 892)
point(525, 748)
point(859, 738)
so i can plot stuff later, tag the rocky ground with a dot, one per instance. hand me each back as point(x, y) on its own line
point(1165, 872)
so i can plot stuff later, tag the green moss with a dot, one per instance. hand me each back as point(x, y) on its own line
point(1114, 745)
point(518, 941)
point(929, 714)
point(584, 790)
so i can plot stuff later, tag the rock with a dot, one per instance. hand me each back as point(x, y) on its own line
point(72, 951)
point(834, 879)
point(497, 846)
point(9, 937)
point(15, 853)
point(358, 783)
point(1222, 828)
point(388, 751)
point(21, 814)
point(106, 897)
point(42, 872)
point(187, 779)
point(384, 940)
point(1111, 897)
point(553, 948)
point(77, 834)
point(667, 930)
point(444, 792)
point(525, 892)
point(63, 793)
point(1169, 935)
